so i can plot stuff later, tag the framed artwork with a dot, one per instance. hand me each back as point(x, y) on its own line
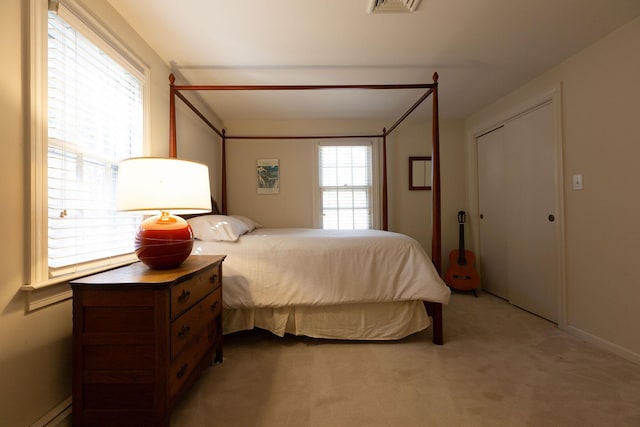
point(420, 173)
point(268, 176)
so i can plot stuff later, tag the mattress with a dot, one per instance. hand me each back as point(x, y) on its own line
point(276, 267)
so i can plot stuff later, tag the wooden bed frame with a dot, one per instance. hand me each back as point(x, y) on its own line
point(433, 309)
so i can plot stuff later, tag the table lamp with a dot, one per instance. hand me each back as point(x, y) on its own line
point(163, 185)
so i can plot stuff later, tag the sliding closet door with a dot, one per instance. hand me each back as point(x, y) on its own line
point(518, 213)
point(492, 183)
point(531, 210)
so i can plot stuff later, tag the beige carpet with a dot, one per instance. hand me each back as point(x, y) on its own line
point(500, 366)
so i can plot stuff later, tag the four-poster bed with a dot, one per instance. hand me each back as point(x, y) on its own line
point(433, 298)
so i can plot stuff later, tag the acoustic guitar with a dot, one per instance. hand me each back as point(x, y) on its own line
point(462, 274)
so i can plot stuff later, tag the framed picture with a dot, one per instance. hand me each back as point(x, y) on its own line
point(268, 176)
point(420, 173)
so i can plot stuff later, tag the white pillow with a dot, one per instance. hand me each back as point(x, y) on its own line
point(217, 228)
point(251, 224)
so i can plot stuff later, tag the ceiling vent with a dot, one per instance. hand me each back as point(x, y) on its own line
point(397, 6)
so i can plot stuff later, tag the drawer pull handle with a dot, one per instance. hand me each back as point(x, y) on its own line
point(213, 278)
point(182, 371)
point(184, 331)
point(214, 305)
point(184, 296)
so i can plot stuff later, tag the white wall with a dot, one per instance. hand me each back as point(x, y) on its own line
point(35, 348)
point(601, 136)
point(195, 140)
point(293, 206)
point(410, 211)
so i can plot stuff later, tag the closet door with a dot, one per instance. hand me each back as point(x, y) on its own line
point(492, 183)
point(517, 202)
point(531, 212)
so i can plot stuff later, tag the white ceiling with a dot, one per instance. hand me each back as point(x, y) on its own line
point(481, 49)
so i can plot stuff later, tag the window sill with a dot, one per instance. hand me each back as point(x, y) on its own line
point(41, 295)
point(38, 297)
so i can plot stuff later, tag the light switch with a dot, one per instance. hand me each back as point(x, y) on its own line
point(577, 182)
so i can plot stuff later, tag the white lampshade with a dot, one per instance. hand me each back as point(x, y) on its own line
point(154, 184)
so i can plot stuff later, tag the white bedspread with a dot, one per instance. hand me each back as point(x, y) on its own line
point(280, 267)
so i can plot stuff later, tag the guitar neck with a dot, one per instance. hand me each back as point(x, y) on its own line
point(461, 255)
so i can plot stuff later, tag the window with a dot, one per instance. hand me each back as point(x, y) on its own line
point(87, 115)
point(346, 186)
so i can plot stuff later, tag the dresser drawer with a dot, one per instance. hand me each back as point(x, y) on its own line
point(187, 293)
point(187, 362)
point(193, 322)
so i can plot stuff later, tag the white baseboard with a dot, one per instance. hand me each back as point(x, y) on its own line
point(56, 415)
point(604, 344)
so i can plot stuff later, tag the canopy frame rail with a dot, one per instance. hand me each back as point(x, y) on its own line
point(432, 90)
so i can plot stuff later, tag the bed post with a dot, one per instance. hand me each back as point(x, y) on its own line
point(385, 221)
point(436, 240)
point(435, 309)
point(224, 172)
point(173, 152)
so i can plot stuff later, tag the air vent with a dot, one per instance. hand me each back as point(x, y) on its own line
point(394, 6)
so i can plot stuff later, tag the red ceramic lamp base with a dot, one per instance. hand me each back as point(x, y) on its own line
point(164, 241)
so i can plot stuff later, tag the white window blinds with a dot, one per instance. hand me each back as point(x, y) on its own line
point(95, 119)
point(345, 186)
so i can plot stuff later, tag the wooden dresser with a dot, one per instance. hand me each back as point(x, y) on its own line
point(141, 337)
